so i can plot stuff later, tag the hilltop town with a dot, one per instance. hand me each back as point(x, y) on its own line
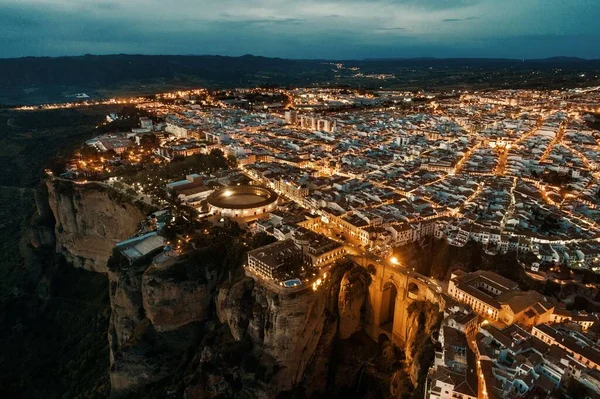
point(324, 176)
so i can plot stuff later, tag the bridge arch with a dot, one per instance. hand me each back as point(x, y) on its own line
point(371, 269)
point(390, 295)
point(388, 306)
point(413, 290)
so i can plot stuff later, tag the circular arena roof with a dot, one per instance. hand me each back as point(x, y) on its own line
point(242, 197)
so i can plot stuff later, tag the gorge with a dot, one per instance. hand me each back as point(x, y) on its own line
point(197, 327)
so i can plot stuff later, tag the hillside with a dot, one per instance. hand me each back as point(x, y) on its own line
point(38, 80)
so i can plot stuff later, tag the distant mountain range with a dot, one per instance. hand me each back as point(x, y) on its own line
point(28, 79)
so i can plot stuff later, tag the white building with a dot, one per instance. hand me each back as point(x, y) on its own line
point(177, 131)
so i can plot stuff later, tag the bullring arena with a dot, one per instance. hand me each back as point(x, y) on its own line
point(242, 201)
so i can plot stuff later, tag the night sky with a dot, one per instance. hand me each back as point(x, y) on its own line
point(333, 29)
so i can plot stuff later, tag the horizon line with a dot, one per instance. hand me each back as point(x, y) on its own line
point(555, 57)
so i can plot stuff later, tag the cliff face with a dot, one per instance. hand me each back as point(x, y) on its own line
point(352, 302)
point(88, 222)
point(286, 327)
point(423, 320)
point(125, 286)
point(154, 321)
point(296, 329)
point(163, 326)
point(177, 295)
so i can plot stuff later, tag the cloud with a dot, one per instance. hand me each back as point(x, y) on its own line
point(423, 4)
point(459, 19)
point(306, 29)
point(392, 29)
point(264, 21)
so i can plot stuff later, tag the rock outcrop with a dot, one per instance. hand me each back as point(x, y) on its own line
point(156, 309)
point(178, 294)
point(258, 339)
point(287, 327)
point(127, 311)
point(90, 219)
point(149, 357)
point(351, 302)
point(295, 328)
point(424, 319)
point(234, 306)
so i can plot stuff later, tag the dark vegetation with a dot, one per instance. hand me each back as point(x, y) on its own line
point(223, 246)
point(55, 346)
point(177, 169)
point(39, 80)
point(129, 118)
point(16, 206)
point(30, 139)
point(594, 122)
point(53, 318)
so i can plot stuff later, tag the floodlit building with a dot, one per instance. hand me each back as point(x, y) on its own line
point(315, 123)
point(137, 247)
point(291, 117)
point(268, 260)
point(177, 131)
point(242, 201)
point(499, 299)
point(146, 123)
point(305, 248)
point(454, 374)
point(192, 190)
point(577, 345)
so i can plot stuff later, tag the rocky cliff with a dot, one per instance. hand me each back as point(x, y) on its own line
point(352, 303)
point(424, 319)
point(296, 328)
point(155, 311)
point(176, 326)
point(177, 294)
point(89, 220)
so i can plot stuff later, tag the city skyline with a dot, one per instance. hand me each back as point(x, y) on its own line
point(329, 29)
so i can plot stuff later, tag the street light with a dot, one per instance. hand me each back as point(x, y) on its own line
point(394, 260)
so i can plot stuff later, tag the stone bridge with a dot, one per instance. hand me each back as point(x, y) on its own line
point(390, 294)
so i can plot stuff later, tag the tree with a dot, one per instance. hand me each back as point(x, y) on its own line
point(89, 152)
point(215, 152)
point(575, 389)
point(261, 239)
point(57, 165)
point(232, 161)
point(149, 141)
point(551, 289)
